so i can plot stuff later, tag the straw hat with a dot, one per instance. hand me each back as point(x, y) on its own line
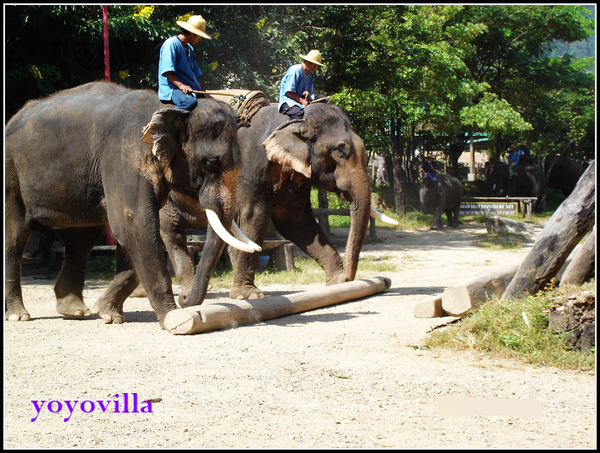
point(314, 56)
point(196, 25)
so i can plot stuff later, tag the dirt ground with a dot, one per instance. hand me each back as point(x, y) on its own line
point(346, 376)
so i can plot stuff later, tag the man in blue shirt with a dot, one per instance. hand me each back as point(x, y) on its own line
point(178, 71)
point(296, 90)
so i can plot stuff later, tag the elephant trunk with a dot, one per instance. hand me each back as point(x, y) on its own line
point(360, 213)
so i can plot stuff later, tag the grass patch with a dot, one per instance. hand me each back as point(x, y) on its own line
point(517, 329)
point(307, 272)
point(500, 241)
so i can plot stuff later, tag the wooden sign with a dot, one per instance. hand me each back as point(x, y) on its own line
point(489, 208)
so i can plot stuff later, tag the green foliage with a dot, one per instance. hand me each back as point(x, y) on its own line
point(517, 329)
point(435, 73)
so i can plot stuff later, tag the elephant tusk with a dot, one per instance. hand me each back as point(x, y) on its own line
point(238, 233)
point(216, 225)
point(379, 216)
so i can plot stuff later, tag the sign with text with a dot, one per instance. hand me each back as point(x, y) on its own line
point(489, 208)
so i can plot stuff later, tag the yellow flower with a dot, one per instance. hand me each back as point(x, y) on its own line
point(185, 17)
point(35, 71)
point(273, 70)
point(260, 23)
point(124, 74)
point(144, 11)
point(214, 65)
point(215, 35)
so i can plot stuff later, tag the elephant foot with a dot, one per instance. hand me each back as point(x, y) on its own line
point(110, 313)
point(72, 306)
point(19, 314)
point(341, 278)
point(245, 292)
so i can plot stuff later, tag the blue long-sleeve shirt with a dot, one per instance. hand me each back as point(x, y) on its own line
point(296, 81)
point(179, 58)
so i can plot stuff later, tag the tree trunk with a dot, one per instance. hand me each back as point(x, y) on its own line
point(571, 221)
point(582, 265)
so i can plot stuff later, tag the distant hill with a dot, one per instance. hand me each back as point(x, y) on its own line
point(579, 49)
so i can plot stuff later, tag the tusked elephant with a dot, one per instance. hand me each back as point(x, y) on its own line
point(282, 161)
point(441, 196)
point(529, 180)
point(103, 154)
point(562, 173)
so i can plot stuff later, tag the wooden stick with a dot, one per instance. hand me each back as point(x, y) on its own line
point(234, 313)
point(213, 93)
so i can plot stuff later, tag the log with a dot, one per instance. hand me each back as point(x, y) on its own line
point(460, 299)
point(234, 313)
point(572, 220)
point(582, 265)
point(496, 224)
point(430, 308)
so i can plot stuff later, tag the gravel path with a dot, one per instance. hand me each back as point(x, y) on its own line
point(345, 376)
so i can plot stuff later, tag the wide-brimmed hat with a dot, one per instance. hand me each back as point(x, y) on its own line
point(314, 56)
point(196, 25)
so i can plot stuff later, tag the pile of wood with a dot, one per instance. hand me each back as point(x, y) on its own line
point(555, 257)
point(576, 316)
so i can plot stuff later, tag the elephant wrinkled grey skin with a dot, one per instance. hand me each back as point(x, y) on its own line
point(529, 180)
point(441, 196)
point(282, 161)
point(102, 154)
point(562, 173)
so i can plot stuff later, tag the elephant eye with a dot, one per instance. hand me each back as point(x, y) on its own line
point(212, 164)
point(340, 151)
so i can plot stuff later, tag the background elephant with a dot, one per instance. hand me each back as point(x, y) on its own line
point(529, 180)
point(562, 173)
point(100, 153)
point(441, 196)
point(282, 160)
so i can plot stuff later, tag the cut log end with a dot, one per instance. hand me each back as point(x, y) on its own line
point(430, 308)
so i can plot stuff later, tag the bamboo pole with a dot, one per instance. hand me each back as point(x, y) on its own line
point(221, 315)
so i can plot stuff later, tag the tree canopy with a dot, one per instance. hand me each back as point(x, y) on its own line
point(410, 77)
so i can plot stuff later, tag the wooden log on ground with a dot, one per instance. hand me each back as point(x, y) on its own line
point(497, 224)
point(430, 308)
point(565, 229)
point(582, 265)
point(460, 299)
point(221, 315)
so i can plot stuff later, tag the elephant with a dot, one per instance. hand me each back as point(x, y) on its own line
point(101, 154)
point(529, 180)
point(282, 160)
point(562, 173)
point(441, 196)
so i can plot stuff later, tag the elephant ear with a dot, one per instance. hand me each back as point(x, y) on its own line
point(289, 145)
point(163, 133)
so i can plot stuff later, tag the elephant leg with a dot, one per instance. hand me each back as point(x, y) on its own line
point(253, 220)
point(69, 285)
point(110, 304)
point(295, 221)
point(455, 222)
point(213, 249)
point(450, 217)
point(437, 220)
point(16, 236)
point(175, 239)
